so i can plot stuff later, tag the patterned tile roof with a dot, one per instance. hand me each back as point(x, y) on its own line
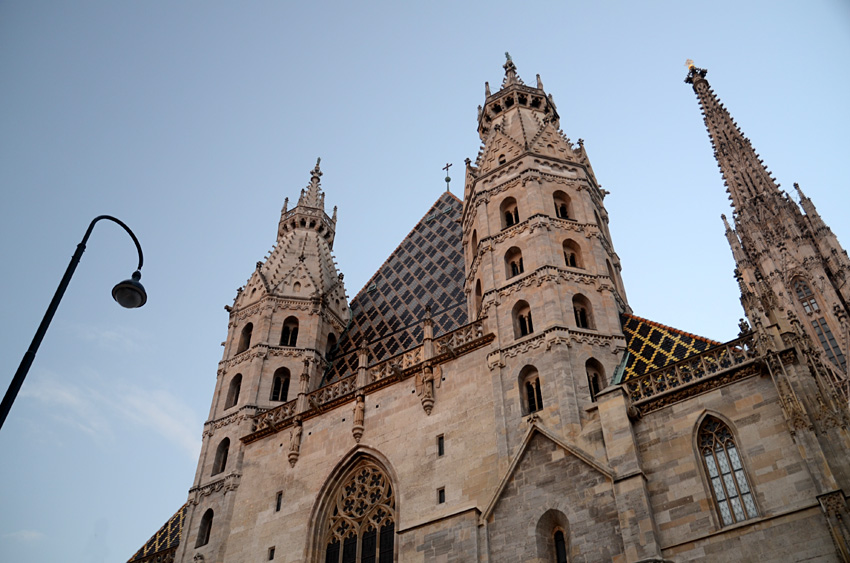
point(653, 345)
point(168, 537)
point(426, 269)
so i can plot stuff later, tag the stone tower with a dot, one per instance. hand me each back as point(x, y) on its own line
point(538, 254)
point(283, 325)
point(789, 264)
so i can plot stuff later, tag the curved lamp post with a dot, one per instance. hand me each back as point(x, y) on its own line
point(129, 293)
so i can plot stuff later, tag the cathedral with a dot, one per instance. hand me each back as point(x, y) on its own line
point(490, 396)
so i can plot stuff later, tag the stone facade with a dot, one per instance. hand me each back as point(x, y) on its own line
point(489, 395)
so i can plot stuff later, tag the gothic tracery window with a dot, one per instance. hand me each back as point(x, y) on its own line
point(280, 385)
point(361, 523)
point(805, 296)
point(289, 335)
point(729, 484)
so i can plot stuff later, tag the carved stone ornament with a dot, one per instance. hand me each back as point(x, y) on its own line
point(295, 441)
point(198, 558)
point(359, 415)
point(425, 388)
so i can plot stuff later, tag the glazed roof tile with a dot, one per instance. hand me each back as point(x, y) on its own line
point(653, 345)
point(426, 269)
point(167, 537)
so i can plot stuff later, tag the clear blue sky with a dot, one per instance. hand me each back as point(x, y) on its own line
point(192, 122)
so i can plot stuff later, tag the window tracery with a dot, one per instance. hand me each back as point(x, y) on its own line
point(361, 525)
point(729, 484)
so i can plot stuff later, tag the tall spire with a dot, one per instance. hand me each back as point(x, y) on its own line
point(312, 195)
point(748, 181)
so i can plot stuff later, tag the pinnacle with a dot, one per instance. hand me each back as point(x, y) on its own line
point(511, 76)
point(312, 195)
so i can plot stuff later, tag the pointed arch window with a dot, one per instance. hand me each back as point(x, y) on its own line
point(563, 207)
point(729, 484)
point(233, 391)
point(560, 547)
point(529, 381)
point(805, 296)
point(360, 527)
point(289, 336)
point(522, 319)
point(220, 462)
point(830, 346)
point(513, 262)
point(280, 385)
point(205, 528)
point(510, 212)
point(572, 254)
point(245, 338)
point(583, 312)
point(595, 377)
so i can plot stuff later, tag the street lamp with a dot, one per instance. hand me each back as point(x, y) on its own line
point(129, 294)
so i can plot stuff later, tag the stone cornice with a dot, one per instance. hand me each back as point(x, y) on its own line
point(227, 483)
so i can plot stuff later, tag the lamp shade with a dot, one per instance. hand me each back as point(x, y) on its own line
point(130, 294)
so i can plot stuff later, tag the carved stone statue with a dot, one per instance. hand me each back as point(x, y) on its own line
point(359, 415)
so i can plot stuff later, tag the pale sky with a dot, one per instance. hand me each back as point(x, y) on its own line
point(193, 121)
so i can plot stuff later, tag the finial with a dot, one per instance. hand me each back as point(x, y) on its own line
point(448, 178)
point(285, 204)
point(799, 191)
point(316, 173)
point(539, 83)
point(486, 90)
point(693, 71)
point(510, 72)
point(725, 222)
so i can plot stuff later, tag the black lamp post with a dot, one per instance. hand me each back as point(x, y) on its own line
point(129, 293)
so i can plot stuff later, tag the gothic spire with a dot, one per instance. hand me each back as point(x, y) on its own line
point(748, 181)
point(312, 195)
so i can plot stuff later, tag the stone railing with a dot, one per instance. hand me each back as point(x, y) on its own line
point(275, 417)
point(457, 339)
point(329, 393)
point(685, 372)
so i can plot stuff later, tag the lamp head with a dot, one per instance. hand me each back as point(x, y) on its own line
point(130, 294)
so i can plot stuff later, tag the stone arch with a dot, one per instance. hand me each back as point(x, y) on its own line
point(280, 385)
point(583, 312)
point(513, 262)
point(473, 248)
point(530, 390)
point(572, 254)
point(205, 528)
point(521, 317)
point(479, 296)
point(724, 469)
point(245, 338)
point(220, 461)
point(550, 523)
point(289, 334)
point(509, 212)
point(363, 470)
point(563, 205)
point(596, 381)
point(331, 346)
point(233, 391)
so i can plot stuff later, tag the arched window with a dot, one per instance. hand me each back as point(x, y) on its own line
point(509, 212)
point(330, 347)
point(289, 336)
point(563, 207)
point(473, 249)
point(513, 262)
point(729, 484)
point(478, 298)
point(205, 528)
point(233, 391)
point(360, 527)
point(595, 377)
point(572, 254)
point(502, 159)
point(805, 296)
point(583, 313)
point(529, 381)
point(280, 385)
point(220, 461)
point(553, 538)
point(522, 319)
point(245, 338)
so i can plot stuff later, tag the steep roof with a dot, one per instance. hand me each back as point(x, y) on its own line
point(426, 269)
point(652, 345)
point(167, 537)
